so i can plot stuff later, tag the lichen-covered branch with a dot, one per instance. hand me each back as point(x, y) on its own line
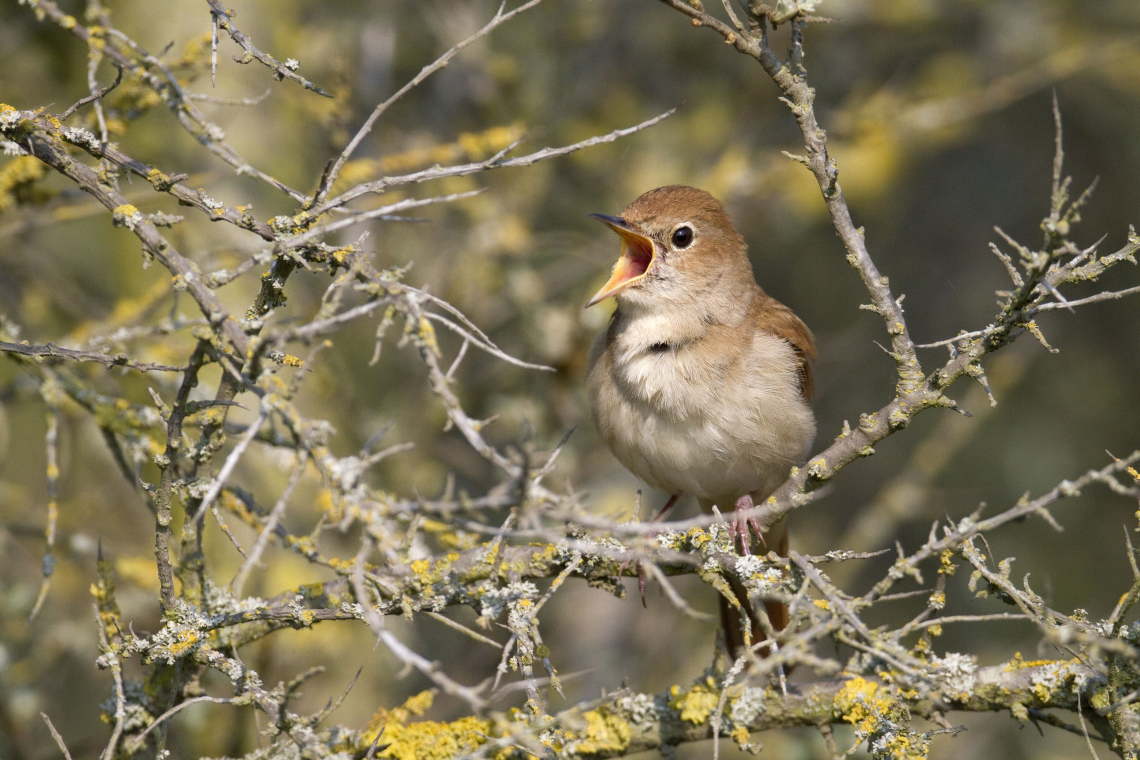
point(1058, 262)
point(506, 550)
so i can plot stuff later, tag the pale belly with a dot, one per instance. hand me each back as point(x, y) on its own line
point(712, 436)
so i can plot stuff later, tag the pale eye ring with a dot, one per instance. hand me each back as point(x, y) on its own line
point(682, 236)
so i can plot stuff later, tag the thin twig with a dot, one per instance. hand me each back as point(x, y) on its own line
point(52, 351)
point(251, 561)
point(120, 714)
point(97, 95)
point(221, 17)
point(228, 467)
point(55, 735)
point(51, 440)
point(464, 630)
point(137, 740)
point(495, 162)
point(330, 177)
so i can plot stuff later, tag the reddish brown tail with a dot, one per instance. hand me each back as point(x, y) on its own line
point(730, 615)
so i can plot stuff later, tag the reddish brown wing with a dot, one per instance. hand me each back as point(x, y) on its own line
point(782, 321)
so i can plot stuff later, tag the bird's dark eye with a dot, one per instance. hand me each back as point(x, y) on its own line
point(682, 237)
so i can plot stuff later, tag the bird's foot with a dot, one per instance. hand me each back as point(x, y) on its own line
point(740, 524)
point(642, 581)
point(668, 505)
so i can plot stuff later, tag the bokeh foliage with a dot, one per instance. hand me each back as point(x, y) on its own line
point(939, 118)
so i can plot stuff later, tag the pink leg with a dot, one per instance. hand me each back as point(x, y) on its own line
point(668, 505)
point(740, 525)
point(642, 581)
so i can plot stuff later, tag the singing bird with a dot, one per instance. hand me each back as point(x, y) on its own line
point(701, 383)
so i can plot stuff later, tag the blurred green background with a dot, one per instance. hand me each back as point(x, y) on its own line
point(939, 117)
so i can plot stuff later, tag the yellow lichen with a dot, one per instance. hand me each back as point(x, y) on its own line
point(422, 740)
point(469, 147)
point(303, 544)
point(947, 567)
point(1017, 663)
point(427, 335)
point(433, 526)
point(877, 712)
point(140, 571)
point(856, 701)
point(186, 640)
point(16, 177)
point(697, 704)
point(605, 733)
point(345, 565)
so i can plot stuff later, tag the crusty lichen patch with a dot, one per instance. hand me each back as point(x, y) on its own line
point(856, 702)
point(696, 704)
point(880, 718)
point(426, 739)
point(605, 732)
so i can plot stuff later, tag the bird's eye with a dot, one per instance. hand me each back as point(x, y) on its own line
point(682, 237)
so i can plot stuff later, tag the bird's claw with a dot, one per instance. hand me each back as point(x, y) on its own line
point(642, 580)
point(739, 526)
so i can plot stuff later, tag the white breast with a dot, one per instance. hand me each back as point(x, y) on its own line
point(687, 421)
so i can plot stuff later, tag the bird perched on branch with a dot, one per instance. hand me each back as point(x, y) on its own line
point(701, 382)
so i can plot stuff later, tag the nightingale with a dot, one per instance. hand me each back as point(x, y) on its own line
point(701, 382)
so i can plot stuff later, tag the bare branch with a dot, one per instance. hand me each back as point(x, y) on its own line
point(330, 177)
point(52, 351)
point(287, 70)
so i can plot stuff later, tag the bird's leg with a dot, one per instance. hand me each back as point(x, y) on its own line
point(739, 525)
point(642, 581)
point(668, 505)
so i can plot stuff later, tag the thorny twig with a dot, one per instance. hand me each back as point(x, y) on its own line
point(203, 626)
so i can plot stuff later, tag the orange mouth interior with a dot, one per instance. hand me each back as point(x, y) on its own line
point(637, 254)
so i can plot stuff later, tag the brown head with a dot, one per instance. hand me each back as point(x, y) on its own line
point(679, 249)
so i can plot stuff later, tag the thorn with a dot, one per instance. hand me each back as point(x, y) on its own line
point(1009, 268)
point(886, 350)
point(1022, 250)
point(1057, 294)
point(1032, 327)
point(1048, 517)
point(954, 406)
point(975, 371)
point(797, 158)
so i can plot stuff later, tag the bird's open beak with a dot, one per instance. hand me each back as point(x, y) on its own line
point(637, 255)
